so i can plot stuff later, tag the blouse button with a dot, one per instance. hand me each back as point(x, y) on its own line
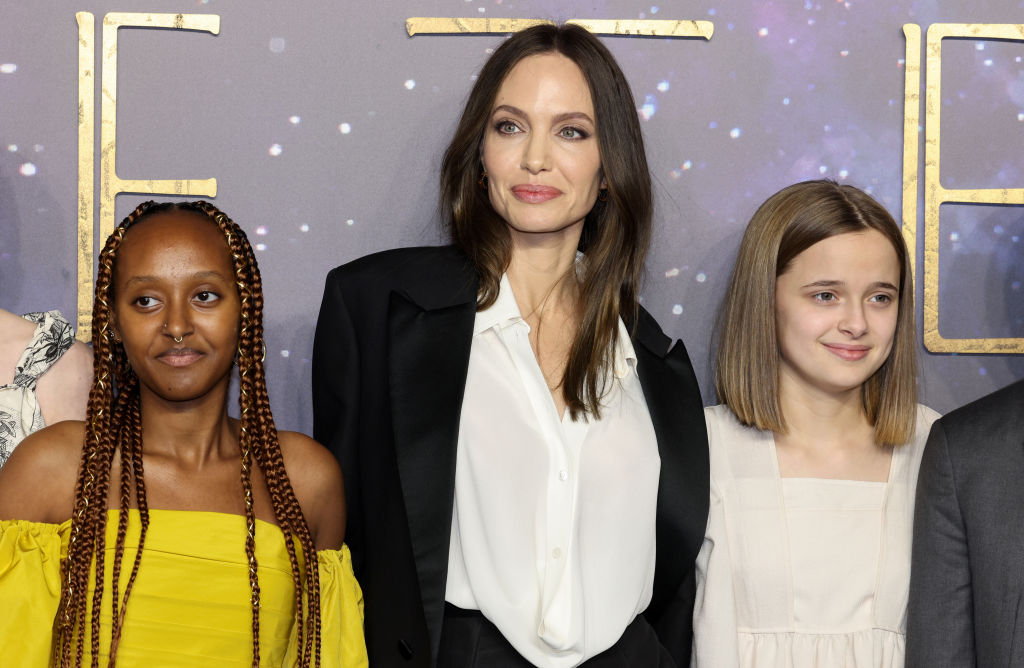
point(563, 475)
point(556, 553)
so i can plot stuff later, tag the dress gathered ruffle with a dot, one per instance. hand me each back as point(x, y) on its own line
point(869, 648)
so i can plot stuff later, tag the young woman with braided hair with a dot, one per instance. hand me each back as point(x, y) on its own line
point(202, 560)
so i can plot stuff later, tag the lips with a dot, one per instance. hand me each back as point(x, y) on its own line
point(848, 352)
point(179, 356)
point(535, 194)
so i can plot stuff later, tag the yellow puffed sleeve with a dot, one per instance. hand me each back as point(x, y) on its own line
point(30, 583)
point(342, 644)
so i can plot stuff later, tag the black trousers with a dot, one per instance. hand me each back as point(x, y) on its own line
point(469, 640)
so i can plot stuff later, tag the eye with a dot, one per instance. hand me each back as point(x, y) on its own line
point(571, 132)
point(507, 128)
point(882, 299)
point(824, 297)
point(145, 301)
point(206, 297)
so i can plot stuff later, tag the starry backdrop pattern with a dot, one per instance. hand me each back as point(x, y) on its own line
point(324, 124)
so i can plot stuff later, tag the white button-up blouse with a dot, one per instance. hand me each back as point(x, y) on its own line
point(553, 529)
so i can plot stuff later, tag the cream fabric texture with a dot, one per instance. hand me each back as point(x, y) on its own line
point(802, 572)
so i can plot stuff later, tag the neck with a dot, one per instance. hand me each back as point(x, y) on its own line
point(542, 271)
point(823, 417)
point(193, 433)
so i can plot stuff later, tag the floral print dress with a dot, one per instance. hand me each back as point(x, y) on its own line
point(19, 410)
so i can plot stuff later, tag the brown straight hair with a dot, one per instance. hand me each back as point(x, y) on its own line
point(747, 366)
point(616, 232)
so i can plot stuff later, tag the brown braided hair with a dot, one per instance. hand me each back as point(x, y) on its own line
point(114, 426)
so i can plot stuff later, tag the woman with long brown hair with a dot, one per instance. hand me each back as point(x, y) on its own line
point(524, 449)
point(161, 531)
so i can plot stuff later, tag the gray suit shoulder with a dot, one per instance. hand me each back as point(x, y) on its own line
point(997, 406)
point(992, 418)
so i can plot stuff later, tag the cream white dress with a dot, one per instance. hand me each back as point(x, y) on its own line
point(802, 572)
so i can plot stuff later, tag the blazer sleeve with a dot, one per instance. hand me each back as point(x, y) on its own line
point(336, 403)
point(940, 619)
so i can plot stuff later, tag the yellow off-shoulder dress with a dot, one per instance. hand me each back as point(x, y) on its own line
point(189, 606)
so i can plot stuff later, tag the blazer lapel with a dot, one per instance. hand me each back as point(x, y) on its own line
point(430, 332)
point(674, 402)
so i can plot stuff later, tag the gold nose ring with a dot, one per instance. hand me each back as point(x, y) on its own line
point(178, 339)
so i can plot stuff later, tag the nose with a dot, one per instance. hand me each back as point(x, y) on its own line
point(535, 153)
point(854, 323)
point(178, 323)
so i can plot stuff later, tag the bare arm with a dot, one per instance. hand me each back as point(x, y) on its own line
point(37, 484)
point(63, 391)
point(316, 479)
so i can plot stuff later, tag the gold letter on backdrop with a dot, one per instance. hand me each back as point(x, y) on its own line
point(86, 169)
point(935, 195)
point(110, 184)
point(911, 130)
point(641, 27)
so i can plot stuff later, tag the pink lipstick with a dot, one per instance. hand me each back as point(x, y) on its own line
point(850, 353)
point(535, 194)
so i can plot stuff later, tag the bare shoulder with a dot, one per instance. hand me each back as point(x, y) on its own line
point(75, 363)
point(319, 487)
point(63, 390)
point(311, 467)
point(38, 481)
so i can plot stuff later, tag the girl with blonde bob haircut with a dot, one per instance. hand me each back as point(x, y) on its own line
point(788, 223)
point(816, 446)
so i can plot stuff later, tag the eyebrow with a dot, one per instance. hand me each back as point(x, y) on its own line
point(198, 276)
point(559, 118)
point(886, 285)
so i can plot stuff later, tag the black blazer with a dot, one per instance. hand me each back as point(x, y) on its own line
point(389, 368)
point(966, 605)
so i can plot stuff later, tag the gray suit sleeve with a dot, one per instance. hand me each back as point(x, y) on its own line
point(940, 619)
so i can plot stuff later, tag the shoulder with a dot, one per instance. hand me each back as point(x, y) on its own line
point(311, 467)
point(64, 389)
point(317, 481)
point(732, 443)
point(431, 276)
point(38, 481)
point(646, 330)
point(718, 417)
point(724, 428)
point(992, 417)
point(77, 360)
point(663, 361)
point(995, 406)
point(398, 263)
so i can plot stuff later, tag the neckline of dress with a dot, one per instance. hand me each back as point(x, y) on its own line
point(780, 478)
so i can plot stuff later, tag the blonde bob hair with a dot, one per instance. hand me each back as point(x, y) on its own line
point(747, 366)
